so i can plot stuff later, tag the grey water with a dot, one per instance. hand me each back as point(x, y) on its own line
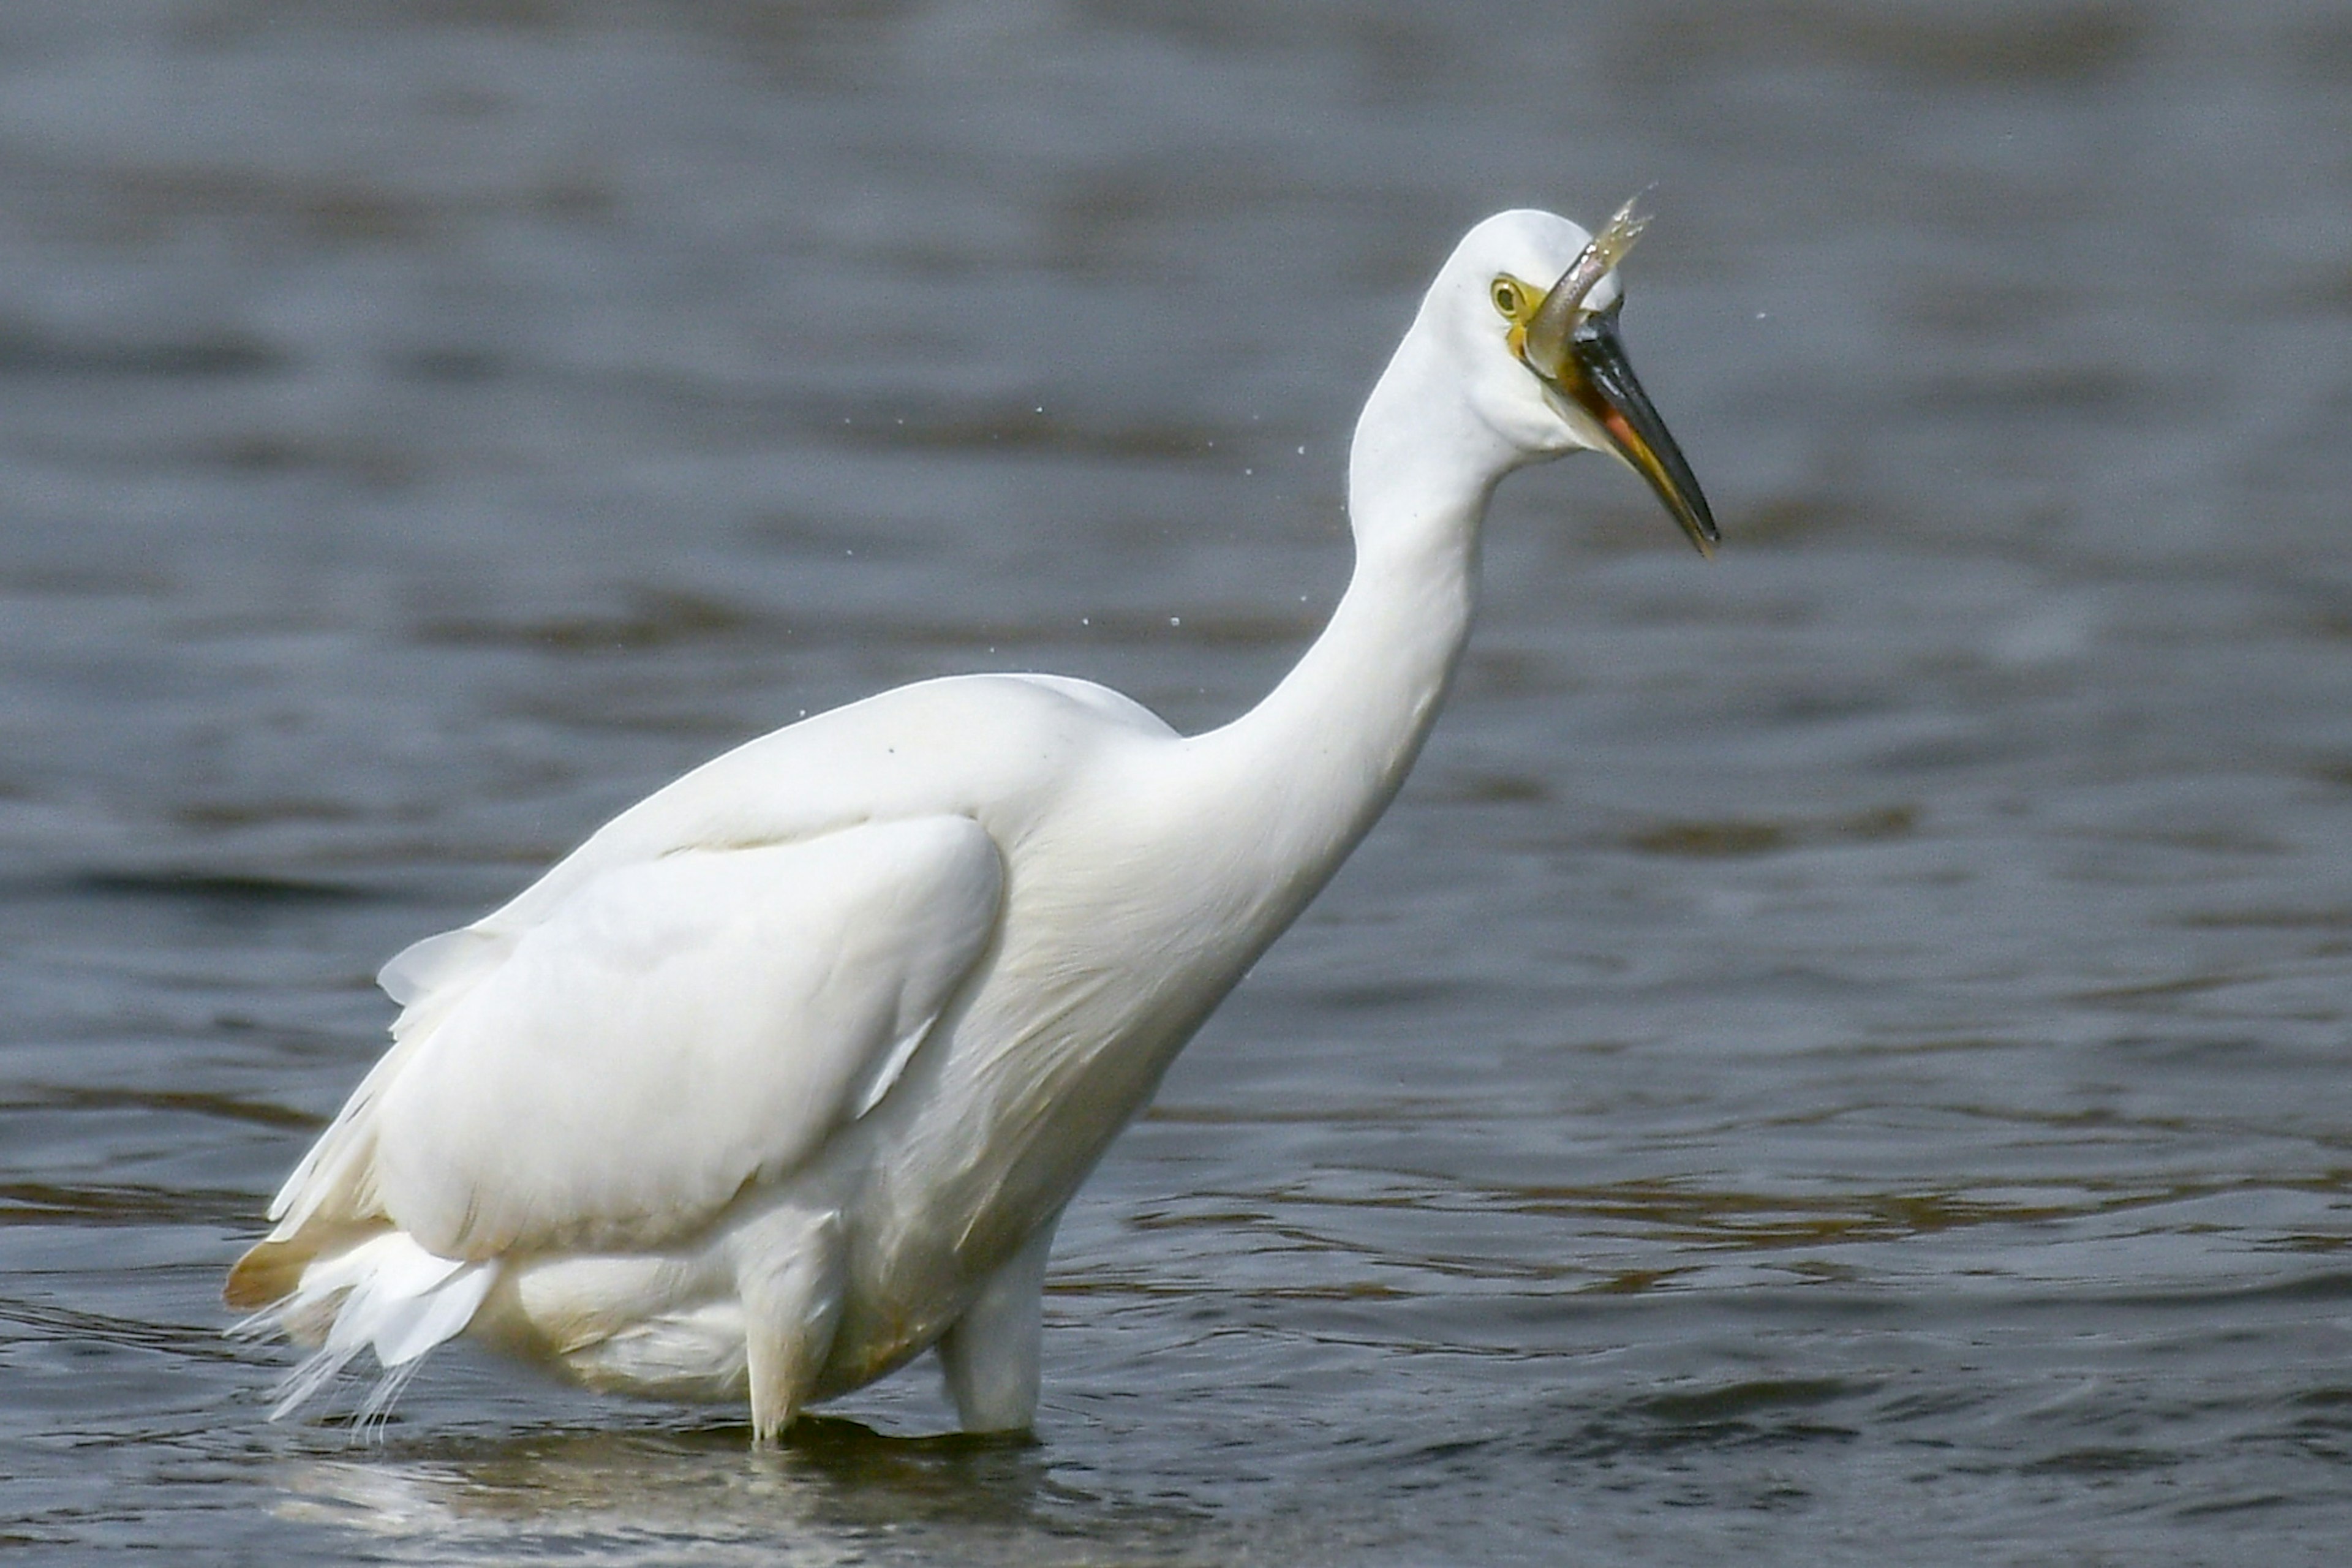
point(1838, 1056)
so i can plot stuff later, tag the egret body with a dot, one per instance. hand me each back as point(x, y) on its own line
point(785, 1074)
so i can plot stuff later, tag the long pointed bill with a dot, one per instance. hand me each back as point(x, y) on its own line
point(1601, 380)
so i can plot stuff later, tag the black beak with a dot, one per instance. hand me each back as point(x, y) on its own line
point(1601, 382)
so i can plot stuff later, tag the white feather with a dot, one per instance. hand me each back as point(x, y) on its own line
point(716, 1014)
point(387, 1294)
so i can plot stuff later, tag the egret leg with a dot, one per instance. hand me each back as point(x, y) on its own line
point(990, 1356)
point(789, 1273)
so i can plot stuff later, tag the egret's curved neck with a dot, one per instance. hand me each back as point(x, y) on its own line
point(1313, 765)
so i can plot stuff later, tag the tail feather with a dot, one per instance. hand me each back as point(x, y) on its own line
point(387, 1294)
point(335, 1181)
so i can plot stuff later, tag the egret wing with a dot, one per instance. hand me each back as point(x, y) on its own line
point(674, 1030)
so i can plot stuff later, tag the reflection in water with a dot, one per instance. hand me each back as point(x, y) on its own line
point(836, 1491)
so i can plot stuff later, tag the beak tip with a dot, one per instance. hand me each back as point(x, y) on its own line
point(1607, 389)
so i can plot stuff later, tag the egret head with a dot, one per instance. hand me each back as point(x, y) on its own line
point(1530, 302)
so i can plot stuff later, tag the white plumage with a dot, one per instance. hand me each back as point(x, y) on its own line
point(785, 1074)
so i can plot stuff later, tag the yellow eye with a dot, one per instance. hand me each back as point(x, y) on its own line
point(1506, 299)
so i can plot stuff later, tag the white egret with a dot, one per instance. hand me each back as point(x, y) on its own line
point(786, 1074)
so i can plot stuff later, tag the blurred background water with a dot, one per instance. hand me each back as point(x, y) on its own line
point(1837, 1056)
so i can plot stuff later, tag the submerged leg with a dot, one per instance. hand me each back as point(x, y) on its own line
point(788, 1268)
point(991, 1355)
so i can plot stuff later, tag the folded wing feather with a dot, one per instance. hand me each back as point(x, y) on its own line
point(615, 1074)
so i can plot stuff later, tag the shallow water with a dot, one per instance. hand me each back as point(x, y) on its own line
point(1835, 1057)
